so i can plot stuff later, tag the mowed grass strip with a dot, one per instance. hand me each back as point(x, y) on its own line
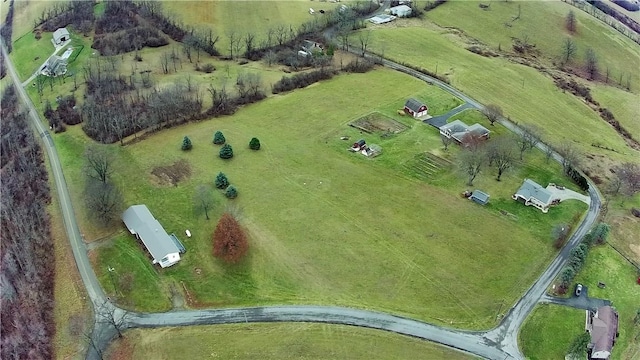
point(525, 95)
point(328, 226)
point(277, 341)
point(549, 331)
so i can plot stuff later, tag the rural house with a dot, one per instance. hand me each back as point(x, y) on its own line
point(60, 36)
point(457, 130)
point(603, 327)
point(310, 47)
point(401, 11)
point(415, 108)
point(531, 193)
point(164, 248)
point(55, 66)
point(479, 197)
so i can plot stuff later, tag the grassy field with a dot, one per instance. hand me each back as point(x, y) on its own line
point(624, 226)
point(276, 341)
point(614, 50)
point(524, 94)
point(257, 16)
point(410, 230)
point(549, 331)
point(623, 105)
point(25, 13)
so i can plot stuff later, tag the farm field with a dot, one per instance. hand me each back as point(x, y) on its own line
point(257, 16)
point(518, 89)
point(624, 226)
point(409, 229)
point(547, 321)
point(614, 50)
point(276, 341)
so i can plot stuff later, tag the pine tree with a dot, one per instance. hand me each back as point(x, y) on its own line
point(231, 192)
point(254, 144)
point(221, 181)
point(186, 143)
point(229, 241)
point(226, 152)
point(218, 138)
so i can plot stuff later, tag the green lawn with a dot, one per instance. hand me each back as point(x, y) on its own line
point(525, 95)
point(380, 239)
point(614, 50)
point(606, 265)
point(29, 53)
point(622, 104)
point(549, 331)
point(276, 341)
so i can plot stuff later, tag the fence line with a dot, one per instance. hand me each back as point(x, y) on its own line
point(636, 265)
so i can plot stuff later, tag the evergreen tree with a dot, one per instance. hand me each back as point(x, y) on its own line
point(186, 143)
point(218, 138)
point(226, 152)
point(231, 192)
point(221, 181)
point(254, 144)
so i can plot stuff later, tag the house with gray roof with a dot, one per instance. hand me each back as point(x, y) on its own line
point(165, 249)
point(532, 194)
point(602, 325)
point(415, 108)
point(60, 36)
point(458, 130)
point(55, 66)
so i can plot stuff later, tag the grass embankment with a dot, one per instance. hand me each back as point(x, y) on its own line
point(257, 16)
point(525, 95)
point(624, 226)
point(277, 341)
point(381, 239)
point(546, 331)
point(613, 49)
point(549, 331)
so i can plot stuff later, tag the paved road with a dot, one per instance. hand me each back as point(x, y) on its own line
point(578, 302)
point(499, 343)
point(441, 120)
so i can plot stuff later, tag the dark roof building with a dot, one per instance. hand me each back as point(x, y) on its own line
point(164, 249)
point(415, 108)
point(457, 130)
point(603, 327)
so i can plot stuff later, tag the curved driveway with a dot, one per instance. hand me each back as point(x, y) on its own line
point(499, 343)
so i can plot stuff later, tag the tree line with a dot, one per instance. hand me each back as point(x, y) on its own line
point(28, 262)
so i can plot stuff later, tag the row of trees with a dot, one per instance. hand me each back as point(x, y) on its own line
point(27, 263)
point(578, 256)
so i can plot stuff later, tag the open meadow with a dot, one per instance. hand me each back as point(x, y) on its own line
point(326, 226)
point(276, 341)
point(549, 330)
point(525, 95)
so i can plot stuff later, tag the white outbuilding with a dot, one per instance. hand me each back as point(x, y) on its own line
point(401, 11)
point(60, 36)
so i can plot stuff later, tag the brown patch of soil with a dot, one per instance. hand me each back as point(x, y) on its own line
point(121, 349)
point(172, 174)
point(378, 123)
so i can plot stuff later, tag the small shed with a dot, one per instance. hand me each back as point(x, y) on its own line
point(359, 145)
point(60, 36)
point(415, 108)
point(401, 11)
point(480, 197)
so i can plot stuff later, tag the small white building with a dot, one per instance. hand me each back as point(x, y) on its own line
point(60, 36)
point(164, 248)
point(401, 11)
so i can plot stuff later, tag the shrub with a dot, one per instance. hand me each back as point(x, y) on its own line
point(600, 233)
point(206, 68)
point(226, 152)
point(186, 143)
point(301, 80)
point(221, 181)
point(254, 144)
point(229, 240)
point(231, 192)
point(218, 138)
point(359, 66)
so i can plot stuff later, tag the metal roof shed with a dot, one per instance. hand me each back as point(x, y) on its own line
point(480, 197)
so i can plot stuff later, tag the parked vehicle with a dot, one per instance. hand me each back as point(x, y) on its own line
point(578, 289)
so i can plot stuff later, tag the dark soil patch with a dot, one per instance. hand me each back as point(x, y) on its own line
point(378, 123)
point(172, 174)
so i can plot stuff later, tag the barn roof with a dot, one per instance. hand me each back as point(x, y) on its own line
point(605, 327)
point(139, 220)
point(413, 105)
point(60, 33)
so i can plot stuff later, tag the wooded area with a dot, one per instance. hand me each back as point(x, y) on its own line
point(28, 262)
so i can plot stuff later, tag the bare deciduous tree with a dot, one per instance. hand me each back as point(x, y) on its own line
point(103, 201)
point(591, 64)
point(570, 156)
point(570, 22)
point(529, 138)
point(203, 200)
point(493, 113)
point(363, 39)
point(98, 163)
point(502, 154)
point(629, 176)
point(115, 317)
point(471, 162)
point(569, 50)
point(446, 141)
